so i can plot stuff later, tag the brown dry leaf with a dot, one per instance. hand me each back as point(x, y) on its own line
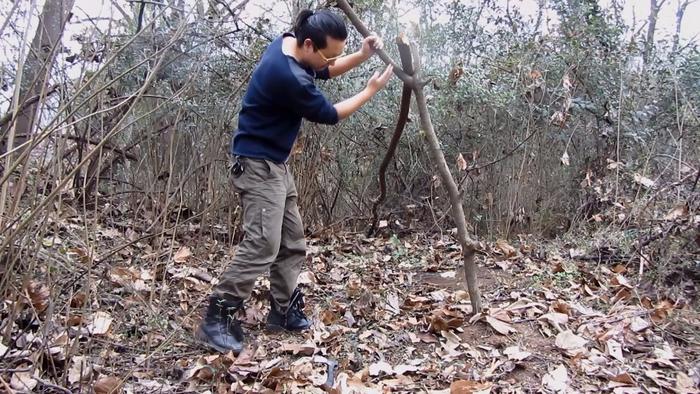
point(685, 385)
point(99, 323)
point(639, 324)
point(78, 254)
point(561, 307)
point(328, 317)
point(392, 303)
point(505, 248)
point(74, 320)
point(555, 319)
point(470, 387)
point(619, 280)
point(623, 378)
point(571, 343)
point(514, 353)
point(306, 349)
point(646, 302)
point(661, 379)
point(501, 327)
point(23, 381)
point(664, 356)
point(644, 181)
point(679, 211)
point(182, 255)
point(558, 119)
point(623, 294)
point(123, 276)
point(661, 312)
point(39, 295)
point(79, 370)
point(503, 264)
point(306, 278)
point(614, 349)
point(381, 366)
point(557, 380)
point(78, 299)
point(619, 269)
point(461, 163)
point(107, 385)
point(427, 337)
point(444, 319)
point(403, 368)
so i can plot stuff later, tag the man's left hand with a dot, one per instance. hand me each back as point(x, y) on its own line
point(370, 44)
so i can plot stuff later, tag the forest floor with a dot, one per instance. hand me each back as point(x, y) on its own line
point(391, 312)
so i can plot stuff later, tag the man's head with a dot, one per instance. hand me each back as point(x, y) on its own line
point(320, 37)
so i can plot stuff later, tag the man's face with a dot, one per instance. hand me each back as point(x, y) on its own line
point(321, 58)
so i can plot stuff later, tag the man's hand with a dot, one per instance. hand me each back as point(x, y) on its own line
point(370, 44)
point(377, 82)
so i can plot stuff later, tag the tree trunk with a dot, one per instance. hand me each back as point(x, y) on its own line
point(679, 19)
point(37, 67)
point(654, 8)
point(31, 87)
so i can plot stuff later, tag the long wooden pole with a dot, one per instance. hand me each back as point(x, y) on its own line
point(469, 247)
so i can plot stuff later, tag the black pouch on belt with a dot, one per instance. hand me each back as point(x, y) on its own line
point(237, 168)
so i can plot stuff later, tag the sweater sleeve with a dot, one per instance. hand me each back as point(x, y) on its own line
point(312, 105)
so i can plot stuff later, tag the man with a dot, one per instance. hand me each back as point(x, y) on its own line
point(281, 92)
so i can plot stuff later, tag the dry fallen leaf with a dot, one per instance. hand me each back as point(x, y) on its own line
point(555, 319)
point(679, 211)
point(381, 366)
point(306, 349)
point(514, 353)
point(392, 303)
point(469, 387)
point(565, 159)
point(38, 295)
point(619, 280)
point(685, 385)
point(23, 381)
point(644, 181)
point(623, 378)
point(107, 385)
point(79, 370)
point(614, 349)
point(571, 343)
point(403, 368)
point(639, 324)
point(99, 323)
point(461, 163)
point(501, 327)
point(661, 312)
point(505, 248)
point(556, 380)
point(306, 278)
point(182, 255)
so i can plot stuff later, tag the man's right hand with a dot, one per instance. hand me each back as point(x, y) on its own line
point(377, 82)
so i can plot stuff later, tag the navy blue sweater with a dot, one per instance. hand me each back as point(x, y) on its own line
point(281, 92)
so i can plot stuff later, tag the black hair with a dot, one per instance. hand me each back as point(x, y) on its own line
point(316, 25)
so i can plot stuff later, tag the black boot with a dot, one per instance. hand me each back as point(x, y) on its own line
point(293, 320)
point(220, 329)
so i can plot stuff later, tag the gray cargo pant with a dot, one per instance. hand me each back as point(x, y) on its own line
point(273, 233)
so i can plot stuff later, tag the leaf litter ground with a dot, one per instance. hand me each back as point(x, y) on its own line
point(392, 313)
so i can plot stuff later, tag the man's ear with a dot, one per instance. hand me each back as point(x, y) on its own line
point(308, 44)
